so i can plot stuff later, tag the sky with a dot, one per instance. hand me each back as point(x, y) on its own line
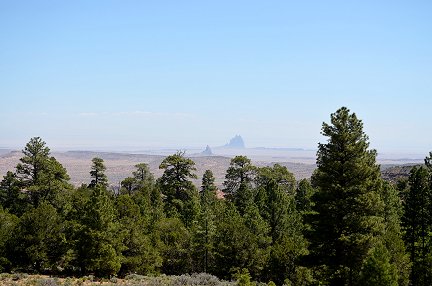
point(138, 74)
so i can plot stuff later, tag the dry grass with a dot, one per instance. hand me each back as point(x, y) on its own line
point(203, 279)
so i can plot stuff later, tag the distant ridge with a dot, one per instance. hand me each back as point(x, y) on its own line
point(236, 143)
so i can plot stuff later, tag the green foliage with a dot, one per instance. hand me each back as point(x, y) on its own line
point(8, 224)
point(204, 229)
point(259, 240)
point(240, 242)
point(303, 197)
point(377, 269)
point(142, 180)
point(341, 228)
point(392, 237)
point(279, 175)
point(34, 162)
point(208, 183)
point(39, 242)
point(277, 206)
point(139, 254)
point(416, 222)
point(128, 186)
point(98, 243)
point(11, 196)
point(238, 179)
point(347, 207)
point(143, 175)
point(97, 173)
point(173, 240)
point(243, 278)
point(146, 194)
point(41, 176)
point(181, 196)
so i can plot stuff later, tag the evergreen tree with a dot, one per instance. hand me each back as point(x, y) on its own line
point(347, 218)
point(98, 240)
point(145, 193)
point(54, 182)
point(202, 241)
point(174, 244)
point(416, 222)
point(139, 254)
point(259, 241)
point(392, 238)
point(11, 196)
point(377, 269)
point(285, 223)
point(240, 242)
point(8, 223)
point(128, 186)
point(208, 183)
point(240, 172)
point(303, 197)
point(97, 173)
point(181, 196)
point(239, 182)
point(231, 242)
point(43, 177)
point(278, 174)
point(36, 155)
point(142, 180)
point(143, 175)
point(39, 243)
point(203, 230)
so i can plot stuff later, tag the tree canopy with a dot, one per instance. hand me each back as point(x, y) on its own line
point(343, 226)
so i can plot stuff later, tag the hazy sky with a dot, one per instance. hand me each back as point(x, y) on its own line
point(117, 74)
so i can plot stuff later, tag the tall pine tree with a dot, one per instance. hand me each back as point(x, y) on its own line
point(416, 222)
point(347, 218)
point(181, 196)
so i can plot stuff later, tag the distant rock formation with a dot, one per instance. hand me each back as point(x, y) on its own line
point(236, 142)
point(207, 151)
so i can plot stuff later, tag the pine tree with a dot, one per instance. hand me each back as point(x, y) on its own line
point(416, 222)
point(239, 182)
point(142, 174)
point(377, 269)
point(278, 209)
point(8, 223)
point(39, 240)
point(240, 172)
point(42, 176)
point(203, 230)
point(174, 244)
point(97, 173)
point(145, 193)
point(347, 217)
point(98, 243)
point(139, 254)
point(11, 196)
point(36, 155)
point(54, 182)
point(232, 241)
point(208, 183)
point(181, 196)
point(392, 238)
point(303, 197)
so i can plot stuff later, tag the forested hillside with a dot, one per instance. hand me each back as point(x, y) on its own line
point(344, 226)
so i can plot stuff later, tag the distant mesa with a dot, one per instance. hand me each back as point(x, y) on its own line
point(236, 142)
point(207, 151)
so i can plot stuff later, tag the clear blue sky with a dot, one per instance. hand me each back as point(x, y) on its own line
point(85, 74)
